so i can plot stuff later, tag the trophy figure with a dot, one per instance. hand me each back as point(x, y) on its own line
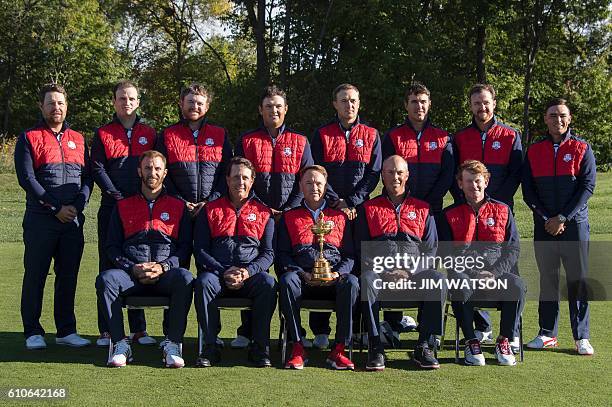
point(321, 270)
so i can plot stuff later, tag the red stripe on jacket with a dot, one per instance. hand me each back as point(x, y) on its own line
point(284, 157)
point(497, 148)
point(433, 141)
point(358, 148)
point(165, 217)
point(224, 222)
point(181, 147)
point(116, 144)
point(299, 221)
point(383, 220)
point(47, 150)
point(491, 225)
point(568, 160)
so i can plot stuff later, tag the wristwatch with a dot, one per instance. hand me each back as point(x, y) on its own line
point(165, 266)
point(562, 218)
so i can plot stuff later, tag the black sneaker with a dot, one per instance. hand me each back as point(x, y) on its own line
point(424, 357)
point(258, 356)
point(210, 356)
point(376, 359)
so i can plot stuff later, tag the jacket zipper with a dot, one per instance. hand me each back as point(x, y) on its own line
point(59, 137)
point(197, 160)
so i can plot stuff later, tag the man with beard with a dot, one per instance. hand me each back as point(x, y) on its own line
point(149, 237)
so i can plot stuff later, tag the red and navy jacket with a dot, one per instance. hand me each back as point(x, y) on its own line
point(351, 157)
point(226, 236)
point(114, 158)
point(429, 154)
point(297, 248)
point(499, 148)
point(559, 181)
point(196, 165)
point(53, 168)
point(278, 162)
point(490, 233)
point(142, 231)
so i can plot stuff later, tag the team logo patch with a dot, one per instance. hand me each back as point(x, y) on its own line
point(142, 141)
point(411, 215)
point(496, 145)
point(433, 145)
point(71, 145)
point(359, 143)
point(287, 151)
point(165, 216)
point(252, 217)
point(490, 221)
point(567, 158)
point(209, 142)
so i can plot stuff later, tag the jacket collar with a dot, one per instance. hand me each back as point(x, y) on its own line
point(408, 123)
point(495, 121)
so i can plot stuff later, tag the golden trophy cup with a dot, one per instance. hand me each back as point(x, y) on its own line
point(321, 270)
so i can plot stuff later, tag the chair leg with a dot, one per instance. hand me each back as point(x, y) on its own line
point(200, 335)
point(280, 331)
point(456, 340)
point(446, 307)
point(110, 351)
point(284, 339)
point(521, 351)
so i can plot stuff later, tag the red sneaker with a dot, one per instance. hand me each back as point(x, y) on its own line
point(338, 360)
point(298, 357)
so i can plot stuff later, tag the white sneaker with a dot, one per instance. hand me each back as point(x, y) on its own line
point(307, 343)
point(408, 323)
point(172, 356)
point(122, 354)
point(104, 340)
point(484, 337)
point(321, 341)
point(472, 353)
point(584, 347)
point(240, 342)
point(73, 340)
point(515, 345)
point(142, 338)
point(543, 342)
point(504, 354)
point(35, 342)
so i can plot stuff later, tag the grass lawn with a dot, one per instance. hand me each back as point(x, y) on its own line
point(545, 378)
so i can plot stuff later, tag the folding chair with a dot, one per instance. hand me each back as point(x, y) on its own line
point(313, 306)
point(408, 306)
point(521, 351)
point(141, 302)
point(225, 303)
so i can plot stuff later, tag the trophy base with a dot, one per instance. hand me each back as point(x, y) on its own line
point(322, 271)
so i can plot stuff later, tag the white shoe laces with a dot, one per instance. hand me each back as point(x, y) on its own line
point(121, 348)
point(172, 349)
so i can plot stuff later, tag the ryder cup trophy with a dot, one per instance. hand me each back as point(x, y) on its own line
point(322, 270)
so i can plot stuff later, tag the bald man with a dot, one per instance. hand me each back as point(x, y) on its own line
point(406, 225)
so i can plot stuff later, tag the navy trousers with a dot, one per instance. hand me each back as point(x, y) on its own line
point(261, 288)
point(345, 292)
point(176, 283)
point(572, 249)
point(46, 238)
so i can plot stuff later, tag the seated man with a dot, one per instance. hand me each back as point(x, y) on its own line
point(483, 229)
point(297, 249)
point(233, 250)
point(403, 225)
point(149, 237)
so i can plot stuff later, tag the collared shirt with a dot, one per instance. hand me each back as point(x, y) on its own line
point(316, 213)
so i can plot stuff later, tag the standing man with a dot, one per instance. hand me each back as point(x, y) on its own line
point(149, 237)
point(278, 154)
point(115, 150)
point(350, 152)
point(52, 166)
point(498, 147)
point(558, 180)
point(197, 151)
point(233, 248)
point(297, 250)
point(406, 225)
point(481, 231)
point(429, 154)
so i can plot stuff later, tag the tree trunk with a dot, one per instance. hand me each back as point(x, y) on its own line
point(481, 38)
point(285, 63)
point(258, 24)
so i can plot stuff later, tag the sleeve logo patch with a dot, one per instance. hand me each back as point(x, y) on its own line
point(165, 216)
point(411, 215)
point(71, 145)
point(209, 142)
point(142, 141)
point(567, 158)
point(490, 222)
point(287, 151)
point(496, 145)
point(252, 217)
point(359, 143)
